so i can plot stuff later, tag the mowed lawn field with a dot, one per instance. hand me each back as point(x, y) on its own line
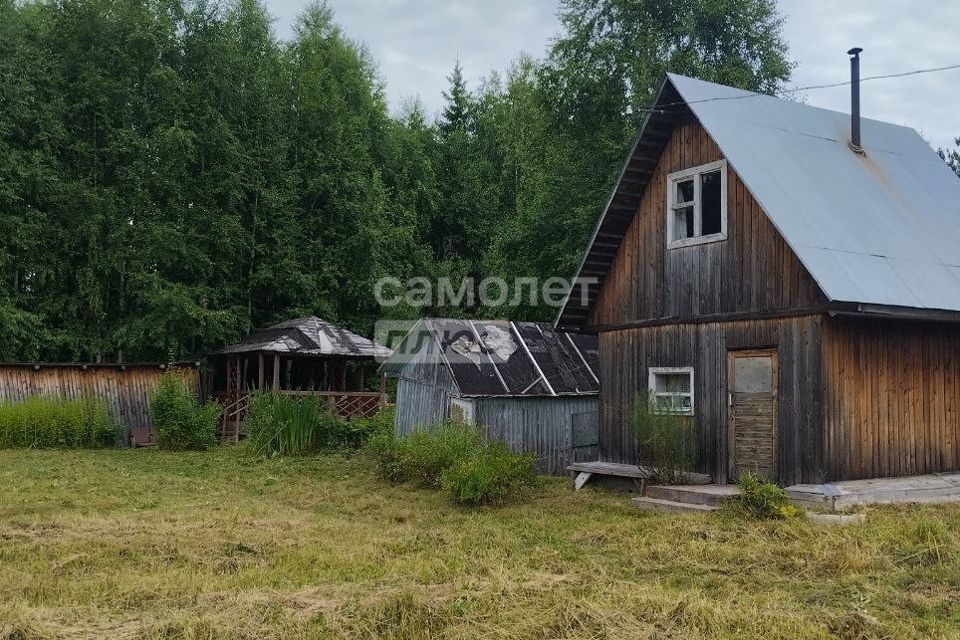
point(149, 544)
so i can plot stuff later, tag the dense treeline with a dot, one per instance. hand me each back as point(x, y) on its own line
point(172, 174)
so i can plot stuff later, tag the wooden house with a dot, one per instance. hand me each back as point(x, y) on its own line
point(297, 357)
point(521, 382)
point(794, 293)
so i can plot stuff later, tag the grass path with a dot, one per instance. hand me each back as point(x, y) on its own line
point(147, 544)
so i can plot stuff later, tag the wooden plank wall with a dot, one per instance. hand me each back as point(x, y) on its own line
point(625, 356)
point(892, 397)
point(126, 389)
point(753, 270)
point(539, 425)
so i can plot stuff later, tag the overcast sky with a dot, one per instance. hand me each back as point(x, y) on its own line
point(415, 44)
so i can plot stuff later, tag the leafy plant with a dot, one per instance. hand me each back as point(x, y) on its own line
point(668, 442)
point(424, 455)
point(361, 430)
point(44, 422)
point(179, 419)
point(761, 499)
point(455, 458)
point(491, 474)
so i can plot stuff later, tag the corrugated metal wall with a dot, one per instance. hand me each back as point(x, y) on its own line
point(558, 429)
point(419, 405)
point(126, 389)
point(544, 426)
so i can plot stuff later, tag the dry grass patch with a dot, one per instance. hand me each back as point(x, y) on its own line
point(154, 545)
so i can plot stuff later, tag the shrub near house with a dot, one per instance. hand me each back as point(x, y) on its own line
point(179, 419)
point(456, 459)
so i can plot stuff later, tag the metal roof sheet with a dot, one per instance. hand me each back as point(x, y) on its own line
point(502, 358)
point(311, 336)
point(879, 228)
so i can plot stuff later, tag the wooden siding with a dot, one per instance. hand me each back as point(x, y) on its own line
point(542, 426)
point(892, 397)
point(626, 355)
point(753, 270)
point(126, 389)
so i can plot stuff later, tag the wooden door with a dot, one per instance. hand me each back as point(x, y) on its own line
point(752, 399)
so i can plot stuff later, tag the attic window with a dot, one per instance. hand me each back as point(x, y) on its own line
point(697, 205)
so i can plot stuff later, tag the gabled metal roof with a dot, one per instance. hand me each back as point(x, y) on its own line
point(309, 336)
point(502, 358)
point(881, 228)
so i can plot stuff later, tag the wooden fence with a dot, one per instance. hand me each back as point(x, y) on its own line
point(125, 387)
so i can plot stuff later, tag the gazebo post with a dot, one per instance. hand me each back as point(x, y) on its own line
point(343, 375)
point(363, 376)
point(260, 371)
point(276, 372)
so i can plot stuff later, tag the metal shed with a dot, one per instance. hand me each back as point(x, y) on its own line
point(524, 383)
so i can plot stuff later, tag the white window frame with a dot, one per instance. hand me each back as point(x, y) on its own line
point(652, 374)
point(694, 173)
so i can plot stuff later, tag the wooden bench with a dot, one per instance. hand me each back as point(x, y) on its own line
point(581, 472)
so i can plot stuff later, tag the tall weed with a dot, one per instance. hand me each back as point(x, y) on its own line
point(45, 422)
point(286, 425)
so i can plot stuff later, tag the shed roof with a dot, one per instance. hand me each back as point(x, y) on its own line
point(879, 228)
point(310, 336)
point(503, 358)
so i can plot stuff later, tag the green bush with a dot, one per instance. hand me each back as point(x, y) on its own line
point(424, 455)
point(44, 422)
point(280, 424)
point(668, 442)
point(455, 458)
point(361, 430)
point(179, 419)
point(761, 499)
point(491, 474)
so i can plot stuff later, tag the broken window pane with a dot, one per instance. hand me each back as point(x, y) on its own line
point(711, 205)
point(684, 191)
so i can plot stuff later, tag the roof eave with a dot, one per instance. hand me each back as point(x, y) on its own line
point(558, 322)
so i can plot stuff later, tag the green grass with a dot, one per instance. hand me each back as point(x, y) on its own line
point(154, 544)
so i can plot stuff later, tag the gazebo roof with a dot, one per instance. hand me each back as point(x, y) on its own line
point(311, 336)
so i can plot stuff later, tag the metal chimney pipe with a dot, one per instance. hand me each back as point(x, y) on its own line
point(855, 98)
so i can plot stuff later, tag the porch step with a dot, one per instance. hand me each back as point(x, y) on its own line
point(670, 506)
point(709, 494)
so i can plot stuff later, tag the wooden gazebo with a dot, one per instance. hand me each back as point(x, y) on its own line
point(305, 356)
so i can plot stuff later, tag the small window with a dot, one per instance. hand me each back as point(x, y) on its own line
point(671, 390)
point(697, 205)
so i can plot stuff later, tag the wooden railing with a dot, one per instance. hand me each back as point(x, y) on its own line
point(346, 404)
